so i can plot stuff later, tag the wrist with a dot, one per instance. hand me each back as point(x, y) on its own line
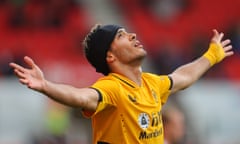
point(44, 86)
point(214, 54)
point(210, 58)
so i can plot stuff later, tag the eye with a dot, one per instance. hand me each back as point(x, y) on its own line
point(120, 35)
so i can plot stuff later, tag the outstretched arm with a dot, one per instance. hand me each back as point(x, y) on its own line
point(33, 78)
point(187, 74)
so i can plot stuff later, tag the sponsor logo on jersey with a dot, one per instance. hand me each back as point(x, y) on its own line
point(154, 122)
point(149, 135)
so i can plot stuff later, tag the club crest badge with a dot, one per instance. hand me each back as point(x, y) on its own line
point(143, 120)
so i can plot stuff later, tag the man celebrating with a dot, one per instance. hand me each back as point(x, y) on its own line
point(125, 104)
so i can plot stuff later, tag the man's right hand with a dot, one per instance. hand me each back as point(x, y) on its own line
point(32, 77)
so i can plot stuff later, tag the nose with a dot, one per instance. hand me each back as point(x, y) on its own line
point(132, 36)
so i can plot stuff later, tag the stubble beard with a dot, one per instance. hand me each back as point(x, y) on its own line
point(139, 60)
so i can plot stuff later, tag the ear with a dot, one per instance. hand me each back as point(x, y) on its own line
point(110, 57)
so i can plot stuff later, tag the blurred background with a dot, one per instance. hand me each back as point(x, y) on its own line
point(173, 32)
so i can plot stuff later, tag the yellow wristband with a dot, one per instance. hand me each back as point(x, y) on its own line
point(215, 53)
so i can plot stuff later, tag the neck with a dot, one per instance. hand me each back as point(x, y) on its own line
point(132, 73)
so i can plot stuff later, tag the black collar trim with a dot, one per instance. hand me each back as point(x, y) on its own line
point(124, 81)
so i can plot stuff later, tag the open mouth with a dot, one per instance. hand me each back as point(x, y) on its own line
point(138, 44)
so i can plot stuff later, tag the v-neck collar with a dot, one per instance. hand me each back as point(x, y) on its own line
point(126, 80)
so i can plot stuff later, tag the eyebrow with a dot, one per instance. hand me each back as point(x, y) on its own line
point(121, 30)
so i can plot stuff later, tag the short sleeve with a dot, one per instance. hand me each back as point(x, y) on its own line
point(165, 85)
point(161, 83)
point(106, 89)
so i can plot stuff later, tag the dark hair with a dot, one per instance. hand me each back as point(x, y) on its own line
point(97, 43)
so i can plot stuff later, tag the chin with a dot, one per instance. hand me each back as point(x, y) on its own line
point(142, 57)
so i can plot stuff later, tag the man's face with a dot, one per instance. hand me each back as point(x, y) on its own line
point(126, 48)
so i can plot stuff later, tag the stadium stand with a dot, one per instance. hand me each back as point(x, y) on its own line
point(51, 31)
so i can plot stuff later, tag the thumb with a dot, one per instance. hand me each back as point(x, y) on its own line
point(217, 37)
point(29, 61)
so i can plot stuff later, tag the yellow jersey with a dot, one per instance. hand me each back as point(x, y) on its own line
point(128, 113)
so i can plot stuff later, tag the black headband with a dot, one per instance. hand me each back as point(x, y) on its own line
point(98, 45)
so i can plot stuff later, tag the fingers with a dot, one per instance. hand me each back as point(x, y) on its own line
point(23, 81)
point(17, 67)
point(229, 53)
point(29, 61)
point(228, 50)
point(19, 73)
point(220, 37)
point(225, 42)
point(217, 37)
point(215, 32)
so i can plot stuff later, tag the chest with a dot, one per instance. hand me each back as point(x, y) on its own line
point(139, 99)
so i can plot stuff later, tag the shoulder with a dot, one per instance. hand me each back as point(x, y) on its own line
point(155, 76)
point(106, 81)
point(106, 85)
point(158, 79)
